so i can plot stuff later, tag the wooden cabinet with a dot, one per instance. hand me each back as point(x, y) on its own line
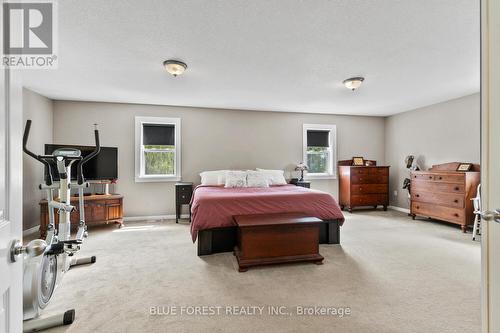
point(363, 186)
point(183, 194)
point(303, 184)
point(444, 194)
point(98, 209)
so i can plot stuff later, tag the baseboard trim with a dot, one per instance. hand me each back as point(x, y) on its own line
point(152, 218)
point(400, 209)
point(31, 231)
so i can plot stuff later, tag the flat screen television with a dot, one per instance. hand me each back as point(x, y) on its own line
point(104, 166)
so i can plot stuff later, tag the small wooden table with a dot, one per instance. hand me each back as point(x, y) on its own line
point(265, 239)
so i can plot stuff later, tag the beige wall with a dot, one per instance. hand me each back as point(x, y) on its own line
point(211, 139)
point(440, 133)
point(39, 109)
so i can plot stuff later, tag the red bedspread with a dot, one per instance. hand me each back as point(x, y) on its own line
point(215, 206)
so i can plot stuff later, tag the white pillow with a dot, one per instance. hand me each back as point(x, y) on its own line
point(217, 177)
point(236, 179)
point(275, 177)
point(257, 179)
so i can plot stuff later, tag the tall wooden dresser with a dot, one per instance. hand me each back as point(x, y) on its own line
point(363, 185)
point(445, 194)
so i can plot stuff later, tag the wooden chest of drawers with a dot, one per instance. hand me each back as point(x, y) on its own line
point(444, 194)
point(363, 186)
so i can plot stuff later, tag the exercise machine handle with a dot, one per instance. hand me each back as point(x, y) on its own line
point(79, 167)
point(35, 156)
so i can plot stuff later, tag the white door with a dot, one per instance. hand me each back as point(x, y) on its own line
point(490, 163)
point(10, 204)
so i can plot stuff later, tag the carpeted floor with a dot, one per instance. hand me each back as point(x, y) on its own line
point(394, 275)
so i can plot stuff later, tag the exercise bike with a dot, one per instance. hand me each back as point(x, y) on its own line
point(46, 261)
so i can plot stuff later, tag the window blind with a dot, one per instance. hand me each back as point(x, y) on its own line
point(318, 138)
point(158, 134)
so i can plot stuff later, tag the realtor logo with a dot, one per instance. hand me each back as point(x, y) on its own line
point(29, 34)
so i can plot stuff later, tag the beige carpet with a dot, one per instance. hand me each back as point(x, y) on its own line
point(395, 275)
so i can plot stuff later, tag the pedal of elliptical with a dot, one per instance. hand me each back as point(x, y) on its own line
point(72, 241)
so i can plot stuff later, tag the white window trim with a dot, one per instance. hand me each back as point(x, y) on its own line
point(332, 172)
point(139, 177)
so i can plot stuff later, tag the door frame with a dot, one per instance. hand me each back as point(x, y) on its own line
point(490, 53)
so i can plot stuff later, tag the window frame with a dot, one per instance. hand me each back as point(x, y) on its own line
point(332, 140)
point(139, 149)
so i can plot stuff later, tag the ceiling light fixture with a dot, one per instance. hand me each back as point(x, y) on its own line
point(353, 83)
point(174, 67)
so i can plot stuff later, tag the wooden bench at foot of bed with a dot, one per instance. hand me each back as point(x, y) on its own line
point(224, 239)
point(265, 239)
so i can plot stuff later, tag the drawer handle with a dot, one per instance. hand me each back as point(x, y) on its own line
point(418, 207)
point(361, 189)
point(440, 177)
point(417, 195)
point(430, 177)
point(457, 188)
point(455, 201)
point(456, 214)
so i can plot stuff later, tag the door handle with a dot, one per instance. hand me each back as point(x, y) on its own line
point(489, 215)
point(34, 248)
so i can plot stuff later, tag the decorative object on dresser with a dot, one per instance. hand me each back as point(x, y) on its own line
point(301, 167)
point(363, 185)
point(303, 184)
point(183, 194)
point(358, 161)
point(445, 194)
point(265, 239)
point(99, 209)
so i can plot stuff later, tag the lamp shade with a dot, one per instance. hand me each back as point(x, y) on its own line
point(353, 83)
point(301, 167)
point(174, 67)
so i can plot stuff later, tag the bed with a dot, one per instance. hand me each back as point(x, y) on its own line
point(213, 208)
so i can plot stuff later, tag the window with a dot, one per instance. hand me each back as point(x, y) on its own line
point(320, 150)
point(158, 149)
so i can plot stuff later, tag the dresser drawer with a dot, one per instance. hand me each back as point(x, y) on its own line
point(422, 176)
point(453, 178)
point(378, 171)
point(437, 187)
point(184, 189)
point(113, 202)
point(444, 199)
point(369, 179)
point(455, 215)
point(183, 198)
point(369, 189)
point(359, 171)
point(438, 177)
point(369, 199)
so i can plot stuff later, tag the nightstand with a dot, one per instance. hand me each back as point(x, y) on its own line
point(303, 184)
point(183, 194)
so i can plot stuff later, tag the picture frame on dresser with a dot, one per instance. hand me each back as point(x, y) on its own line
point(358, 161)
point(464, 167)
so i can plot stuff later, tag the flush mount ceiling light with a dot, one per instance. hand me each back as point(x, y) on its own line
point(174, 67)
point(353, 83)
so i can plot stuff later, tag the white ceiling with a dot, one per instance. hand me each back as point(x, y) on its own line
point(270, 55)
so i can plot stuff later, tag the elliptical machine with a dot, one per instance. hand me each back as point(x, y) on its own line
point(46, 261)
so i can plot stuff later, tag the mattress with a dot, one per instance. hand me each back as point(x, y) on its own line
point(215, 206)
